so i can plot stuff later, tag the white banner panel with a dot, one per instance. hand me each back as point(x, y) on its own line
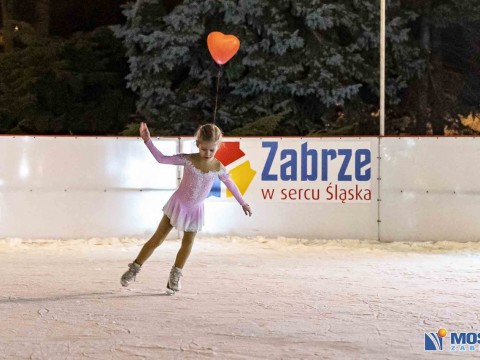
point(80, 214)
point(67, 187)
point(297, 187)
point(82, 163)
point(430, 189)
point(294, 171)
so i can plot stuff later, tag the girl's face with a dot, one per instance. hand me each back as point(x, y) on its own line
point(207, 149)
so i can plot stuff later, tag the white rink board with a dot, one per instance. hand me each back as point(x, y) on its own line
point(430, 189)
point(68, 187)
point(80, 214)
point(83, 163)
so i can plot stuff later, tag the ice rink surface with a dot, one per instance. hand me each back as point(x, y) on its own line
point(242, 298)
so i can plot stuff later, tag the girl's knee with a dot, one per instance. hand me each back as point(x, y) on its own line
point(188, 239)
point(187, 243)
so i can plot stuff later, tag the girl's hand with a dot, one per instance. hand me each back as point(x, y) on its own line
point(246, 209)
point(144, 133)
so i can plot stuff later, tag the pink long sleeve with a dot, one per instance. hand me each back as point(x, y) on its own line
point(225, 178)
point(178, 159)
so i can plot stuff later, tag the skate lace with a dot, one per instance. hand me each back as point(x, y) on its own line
point(175, 276)
point(133, 271)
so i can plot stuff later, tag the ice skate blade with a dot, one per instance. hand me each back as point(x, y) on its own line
point(170, 292)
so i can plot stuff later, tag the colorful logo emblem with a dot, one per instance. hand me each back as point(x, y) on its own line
point(434, 341)
point(242, 174)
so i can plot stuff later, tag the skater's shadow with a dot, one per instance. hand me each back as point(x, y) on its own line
point(95, 296)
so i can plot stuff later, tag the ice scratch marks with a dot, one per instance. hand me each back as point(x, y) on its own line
point(43, 311)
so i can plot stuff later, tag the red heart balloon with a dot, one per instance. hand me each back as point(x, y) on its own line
point(222, 47)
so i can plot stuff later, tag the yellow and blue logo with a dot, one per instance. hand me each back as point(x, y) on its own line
point(458, 341)
point(434, 341)
point(242, 174)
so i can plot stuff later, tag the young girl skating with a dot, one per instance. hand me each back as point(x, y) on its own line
point(184, 210)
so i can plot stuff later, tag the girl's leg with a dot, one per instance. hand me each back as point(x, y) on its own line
point(157, 238)
point(185, 249)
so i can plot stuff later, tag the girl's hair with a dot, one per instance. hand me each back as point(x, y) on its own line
point(209, 132)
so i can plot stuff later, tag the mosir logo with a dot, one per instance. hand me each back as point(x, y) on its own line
point(459, 341)
point(434, 341)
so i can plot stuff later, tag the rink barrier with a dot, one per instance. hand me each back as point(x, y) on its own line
point(420, 189)
point(429, 189)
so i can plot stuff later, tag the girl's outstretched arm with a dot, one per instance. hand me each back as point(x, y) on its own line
point(144, 132)
point(178, 159)
point(225, 178)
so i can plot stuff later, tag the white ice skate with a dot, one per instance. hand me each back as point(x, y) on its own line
point(130, 274)
point(173, 283)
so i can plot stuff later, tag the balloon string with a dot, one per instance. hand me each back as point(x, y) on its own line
point(216, 97)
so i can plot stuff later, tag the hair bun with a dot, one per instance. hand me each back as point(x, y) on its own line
point(209, 132)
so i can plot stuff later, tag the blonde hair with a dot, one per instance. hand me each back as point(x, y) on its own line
point(209, 132)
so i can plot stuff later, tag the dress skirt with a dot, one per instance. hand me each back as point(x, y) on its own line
point(184, 216)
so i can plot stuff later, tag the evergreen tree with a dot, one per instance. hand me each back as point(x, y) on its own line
point(7, 24)
point(22, 17)
point(447, 33)
point(42, 17)
point(73, 86)
point(297, 60)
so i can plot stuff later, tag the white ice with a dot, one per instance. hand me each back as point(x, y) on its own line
point(242, 298)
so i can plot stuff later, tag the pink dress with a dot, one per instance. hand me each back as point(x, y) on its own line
point(185, 206)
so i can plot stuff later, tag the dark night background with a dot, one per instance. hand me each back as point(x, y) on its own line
point(69, 16)
point(62, 71)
